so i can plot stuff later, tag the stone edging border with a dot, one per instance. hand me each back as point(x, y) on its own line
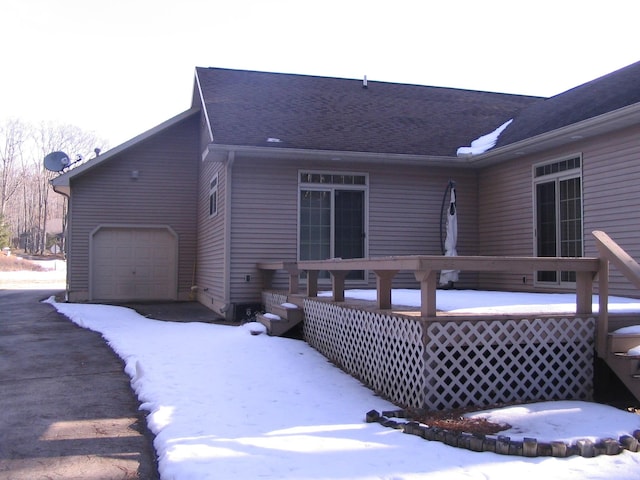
point(528, 447)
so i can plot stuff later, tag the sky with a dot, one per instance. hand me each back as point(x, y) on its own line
point(121, 67)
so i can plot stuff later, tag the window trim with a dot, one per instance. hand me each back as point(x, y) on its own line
point(557, 176)
point(213, 196)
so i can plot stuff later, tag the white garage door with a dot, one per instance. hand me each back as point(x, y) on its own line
point(134, 264)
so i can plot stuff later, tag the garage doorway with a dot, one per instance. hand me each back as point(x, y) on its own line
point(133, 263)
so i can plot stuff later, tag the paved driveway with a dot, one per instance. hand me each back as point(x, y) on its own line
point(66, 407)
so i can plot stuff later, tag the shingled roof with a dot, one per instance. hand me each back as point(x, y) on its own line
point(308, 112)
point(602, 95)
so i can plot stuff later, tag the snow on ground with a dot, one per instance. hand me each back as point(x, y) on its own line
point(482, 301)
point(225, 403)
point(53, 277)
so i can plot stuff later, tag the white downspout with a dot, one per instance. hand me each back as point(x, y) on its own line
point(227, 234)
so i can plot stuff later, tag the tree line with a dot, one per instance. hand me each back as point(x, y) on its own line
point(32, 215)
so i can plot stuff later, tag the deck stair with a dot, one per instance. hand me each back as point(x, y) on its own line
point(625, 365)
point(281, 318)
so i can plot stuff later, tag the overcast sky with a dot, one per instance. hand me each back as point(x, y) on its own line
point(120, 67)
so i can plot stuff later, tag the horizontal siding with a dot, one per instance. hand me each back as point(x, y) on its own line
point(612, 198)
point(264, 222)
point(211, 235)
point(505, 220)
point(403, 215)
point(163, 194)
point(611, 175)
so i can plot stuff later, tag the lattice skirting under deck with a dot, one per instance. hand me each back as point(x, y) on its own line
point(450, 364)
point(384, 352)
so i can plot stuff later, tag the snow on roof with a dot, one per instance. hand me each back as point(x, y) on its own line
point(484, 143)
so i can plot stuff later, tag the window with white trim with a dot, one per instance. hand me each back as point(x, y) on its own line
point(558, 215)
point(213, 196)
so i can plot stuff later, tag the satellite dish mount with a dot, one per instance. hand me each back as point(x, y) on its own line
point(58, 161)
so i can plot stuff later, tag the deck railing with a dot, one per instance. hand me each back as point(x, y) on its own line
point(611, 252)
point(426, 269)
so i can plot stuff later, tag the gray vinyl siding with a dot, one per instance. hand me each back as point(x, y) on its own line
point(403, 215)
point(505, 219)
point(610, 179)
point(405, 204)
point(211, 237)
point(264, 222)
point(163, 194)
point(611, 190)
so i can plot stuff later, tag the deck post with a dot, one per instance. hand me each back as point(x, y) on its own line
point(294, 275)
point(337, 280)
point(428, 283)
point(312, 283)
point(384, 281)
point(267, 278)
point(584, 293)
point(602, 330)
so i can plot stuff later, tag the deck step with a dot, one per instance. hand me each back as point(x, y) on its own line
point(281, 319)
point(626, 355)
point(622, 342)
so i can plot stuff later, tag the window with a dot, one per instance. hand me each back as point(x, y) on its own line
point(213, 196)
point(332, 217)
point(558, 215)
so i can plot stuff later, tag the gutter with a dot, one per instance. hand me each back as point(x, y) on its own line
point(66, 236)
point(218, 153)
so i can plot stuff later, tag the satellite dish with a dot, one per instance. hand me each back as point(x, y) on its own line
point(56, 161)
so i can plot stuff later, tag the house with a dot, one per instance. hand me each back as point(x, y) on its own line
point(280, 167)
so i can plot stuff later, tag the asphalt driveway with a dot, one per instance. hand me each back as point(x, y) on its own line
point(66, 407)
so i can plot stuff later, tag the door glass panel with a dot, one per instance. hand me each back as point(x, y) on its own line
point(332, 225)
point(546, 226)
point(315, 225)
point(349, 227)
point(570, 223)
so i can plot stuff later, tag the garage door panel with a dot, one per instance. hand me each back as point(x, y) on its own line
point(134, 264)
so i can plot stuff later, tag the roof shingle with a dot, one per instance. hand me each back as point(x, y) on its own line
point(602, 95)
point(321, 113)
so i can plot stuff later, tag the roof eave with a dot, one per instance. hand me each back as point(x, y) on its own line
point(63, 179)
point(220, 153)
point(198, 96)
point(591, 127)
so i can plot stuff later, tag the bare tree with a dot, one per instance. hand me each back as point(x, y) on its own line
point(29, 213)
point(12, 138)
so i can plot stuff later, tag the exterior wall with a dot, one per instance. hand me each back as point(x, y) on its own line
point(211, 270)
point(611, 193)
point(505, 218)
point(404, 206)
point(163, 194)
point(611, 202)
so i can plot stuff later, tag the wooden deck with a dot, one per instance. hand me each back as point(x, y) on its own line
point(424, 357)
